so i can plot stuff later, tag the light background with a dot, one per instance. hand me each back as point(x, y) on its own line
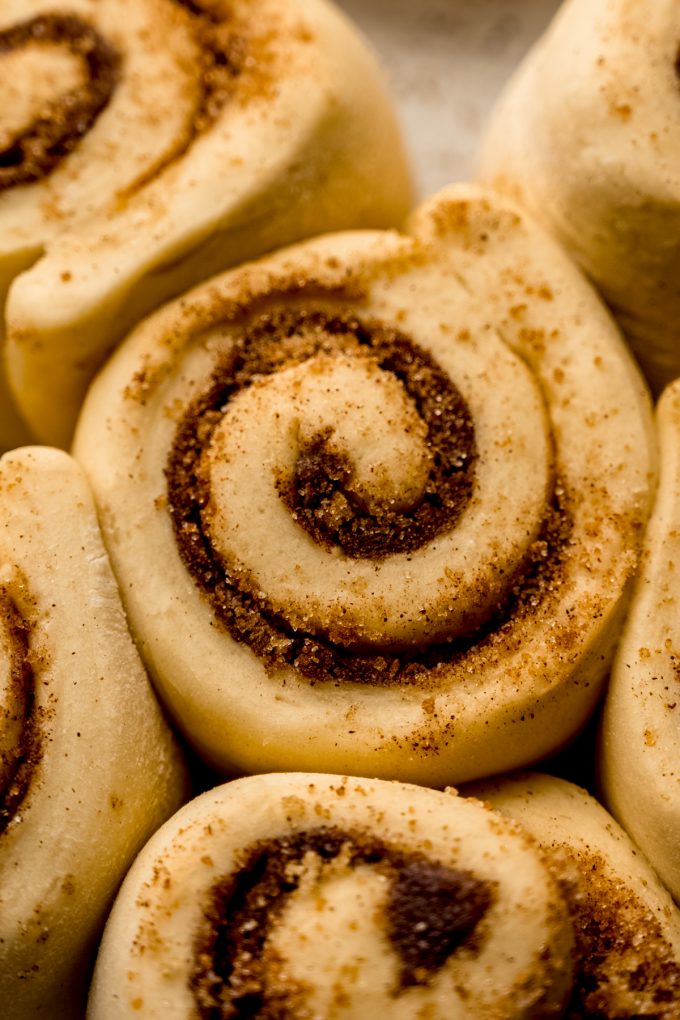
point(446, 61)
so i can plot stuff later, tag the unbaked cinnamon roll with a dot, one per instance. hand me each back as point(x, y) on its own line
point(88, 768)
point(374, 502)
point(309, 895)
point(587, 137)
point(145, 144)
point(626, 927)
point(640, 759)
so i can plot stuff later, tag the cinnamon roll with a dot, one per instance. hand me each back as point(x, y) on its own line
point(88, 768)
point(587, 137)
point(316, 895)
point(374, 502)
point(626, 927)
point(145, 144)
point(640, 760)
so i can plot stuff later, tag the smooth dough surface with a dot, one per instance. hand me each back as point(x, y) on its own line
point(88, 768)
point(587, 137)
point(627, 928)
point(640, 760)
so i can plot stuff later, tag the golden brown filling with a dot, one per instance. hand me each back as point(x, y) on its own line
point(21, 750)
point(39, 147)
point(431, 912)
point(326, 508)
point(222, 55)
point(624, 966)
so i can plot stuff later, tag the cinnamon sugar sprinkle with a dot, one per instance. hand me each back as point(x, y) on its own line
point(227, 48)
point(431, 912)
point(624, 967)
point(224, 51)
point(38, 150)
point(270, 342)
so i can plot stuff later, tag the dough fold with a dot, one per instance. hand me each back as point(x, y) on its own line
point(626, 927)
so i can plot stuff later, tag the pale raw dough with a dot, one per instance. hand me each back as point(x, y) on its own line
point(587, 137)
point(100, 769)
point(560, 415)
point(328, 951)
point(161, 192)
point(627, 928)
point(640, 758)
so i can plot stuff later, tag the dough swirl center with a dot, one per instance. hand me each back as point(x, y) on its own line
point(427, 912)
point(327, 498)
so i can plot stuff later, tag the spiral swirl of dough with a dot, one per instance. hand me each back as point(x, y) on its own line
point(374, 502)
point(145, 144)
point(418, 559)
point(88, 768)
point(587, 137)
point(303, 894)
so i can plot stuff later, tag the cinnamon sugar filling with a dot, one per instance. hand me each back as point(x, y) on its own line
point(623, 961)
point(38, 149)
point(430, 913)
point(20, 759)
point(330, 513)
point(222, 54)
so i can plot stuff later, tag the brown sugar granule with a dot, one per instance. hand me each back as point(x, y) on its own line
point(226, 47)
point(318, 486)
point(222, 54)
point(38, 150)
point(330, 514)
point(431, 912)
point(24, 755)
point(236, 59)
point(624, 967)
